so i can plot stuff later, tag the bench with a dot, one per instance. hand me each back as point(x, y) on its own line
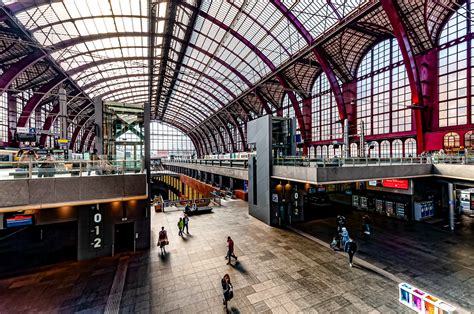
point(199, 210)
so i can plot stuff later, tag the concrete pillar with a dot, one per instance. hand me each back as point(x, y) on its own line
point(63, 113)
point(212, 179)
point(146, 146)
point(220, 181)
point(307, 112)
point(231, 183)
point(99, 134)
point(12, 113)
point(452, 203)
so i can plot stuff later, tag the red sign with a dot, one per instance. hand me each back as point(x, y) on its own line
point(395, 184)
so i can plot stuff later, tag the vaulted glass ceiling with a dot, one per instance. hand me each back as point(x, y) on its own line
point(189, 58)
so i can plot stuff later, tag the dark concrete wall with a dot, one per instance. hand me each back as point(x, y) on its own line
point(350, 174)
point(23, 192)
point(136, 211)
point(259, 172)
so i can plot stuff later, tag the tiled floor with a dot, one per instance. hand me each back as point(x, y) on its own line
point(278, 271)
point(428, 257)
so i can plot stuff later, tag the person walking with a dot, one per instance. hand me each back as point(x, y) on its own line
point(186, 223)
point(180, 226)
point(340, 222)
point(366, 228)
point(228, 290)
point(344, 236)
point(351, 248)
point(163, 240)
point(230, 250)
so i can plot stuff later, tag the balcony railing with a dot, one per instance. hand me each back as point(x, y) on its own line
point(232, 163)
point(367, 161)
point(299, 161)
point(67, 168)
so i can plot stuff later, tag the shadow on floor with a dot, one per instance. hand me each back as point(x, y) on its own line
point(164, 257)
point(239, 267)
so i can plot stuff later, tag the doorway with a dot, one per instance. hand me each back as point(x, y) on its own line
point(124, 237)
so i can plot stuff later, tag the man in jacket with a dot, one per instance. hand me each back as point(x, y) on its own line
point(351, 248)
point(230, 250)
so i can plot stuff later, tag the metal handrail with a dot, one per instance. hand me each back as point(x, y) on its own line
point(298, 161)
point(48, 168)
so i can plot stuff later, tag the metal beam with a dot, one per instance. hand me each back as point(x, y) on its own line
point(78, 129)
point(182, 53)
point(264, 58)
point(400, 32)
point(16, 69)
point(320, 56)
point(37, 98)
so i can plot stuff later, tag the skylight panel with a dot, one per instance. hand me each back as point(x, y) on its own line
point(162, 9)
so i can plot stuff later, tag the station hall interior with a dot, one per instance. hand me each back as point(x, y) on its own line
point(318, 153)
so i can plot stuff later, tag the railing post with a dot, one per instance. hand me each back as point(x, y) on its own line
point(80, 168)
point(30, 169)
point(366, 161)
point(123, 167)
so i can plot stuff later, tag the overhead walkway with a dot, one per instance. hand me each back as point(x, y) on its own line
point(337, 170)
point(38, 185)
point(236, 169)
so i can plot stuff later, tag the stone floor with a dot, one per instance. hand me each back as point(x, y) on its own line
point(428, 257)
point(278, 271)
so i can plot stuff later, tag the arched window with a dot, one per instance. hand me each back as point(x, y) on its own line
point(451, 140)
point(324, 112)
point(410, 147)
point(319, 153)
point(454, 69)
point(354, 150)
point(469, 139)
point(288, 110)
point(383, 92)
point(331, 151)
point(311, 151)
point(385, 149)
point(374, 150)
point(397, 148)
point(325, 152)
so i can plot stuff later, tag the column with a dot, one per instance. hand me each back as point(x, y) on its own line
point(99, 135)
point(12, 118)
point(62, 113)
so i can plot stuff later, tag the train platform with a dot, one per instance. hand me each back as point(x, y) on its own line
point(427, 256)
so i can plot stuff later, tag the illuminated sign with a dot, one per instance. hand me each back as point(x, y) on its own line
point(18, 221)
point(395, 184)
point(63, 141)
point(373, 183)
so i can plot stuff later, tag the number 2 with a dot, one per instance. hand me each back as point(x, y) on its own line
point(97, 242)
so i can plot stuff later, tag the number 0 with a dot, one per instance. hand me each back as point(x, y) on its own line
point(97, 242)
point(97, 218)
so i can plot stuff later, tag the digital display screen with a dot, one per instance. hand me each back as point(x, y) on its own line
point(18, 221)
point(395, 184)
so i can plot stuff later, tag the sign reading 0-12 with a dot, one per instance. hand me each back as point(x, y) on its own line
point(96, 224)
